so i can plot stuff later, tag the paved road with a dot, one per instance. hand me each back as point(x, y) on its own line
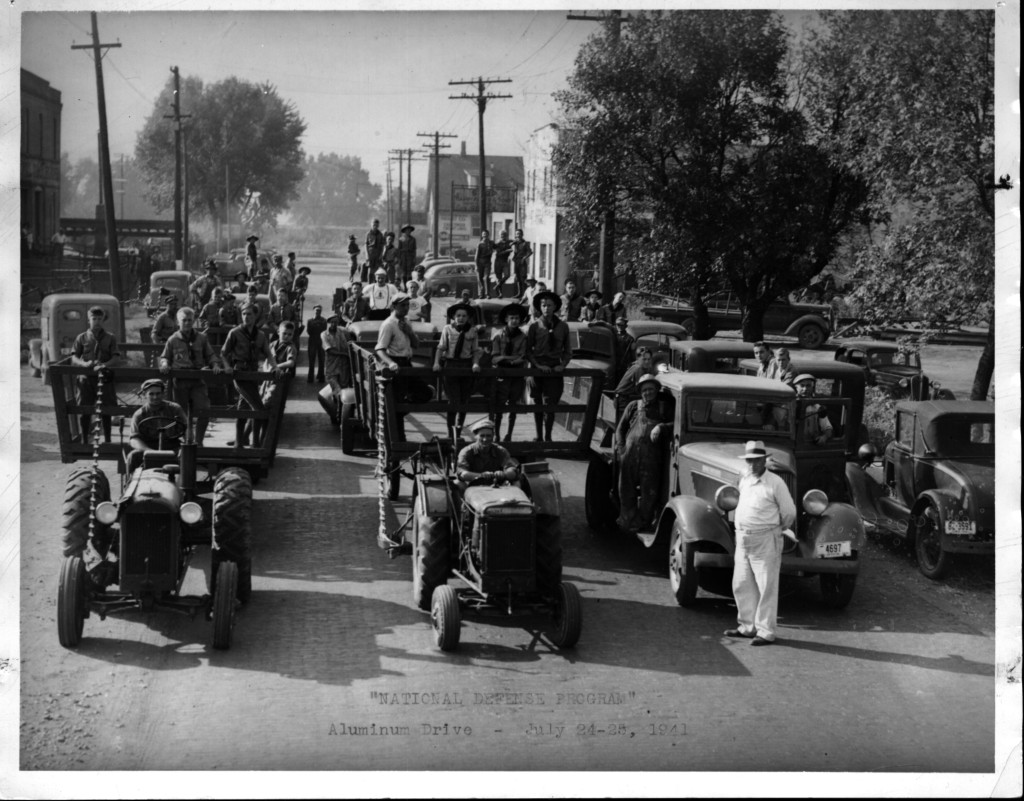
point(333, 668)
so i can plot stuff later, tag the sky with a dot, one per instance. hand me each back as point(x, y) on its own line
point(365, 82)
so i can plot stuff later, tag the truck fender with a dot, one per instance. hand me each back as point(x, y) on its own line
point(838, 523)
point(545, 492)
point(701, 521)
point(863, 489)
point(816, 319)
point(348, 395)
point(431, 497)
point(946, 503)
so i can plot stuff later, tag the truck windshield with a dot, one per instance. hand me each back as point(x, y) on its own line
point(722, 413)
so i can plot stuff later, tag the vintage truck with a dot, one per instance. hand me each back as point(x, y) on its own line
point(934, 486)
point(713, 416)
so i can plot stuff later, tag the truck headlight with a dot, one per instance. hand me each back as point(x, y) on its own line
point(904, 384)
point(727, 498)
point(815, 502)
point(106, 513)
point(191, 513)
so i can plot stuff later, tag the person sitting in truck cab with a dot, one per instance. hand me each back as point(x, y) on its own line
point(158, 424)
point(484, 461)
point(813, 424)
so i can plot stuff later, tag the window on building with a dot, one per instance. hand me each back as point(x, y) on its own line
point(533, 185)
point(56, 140)
point(41, 135)
point(544, 262)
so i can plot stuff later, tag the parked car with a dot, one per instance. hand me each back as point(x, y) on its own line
point(935, 484)
point(450, 278)
point(892, 368)
point(810, 323)
point(657, 335)
point(709, 356)
point(174, 281)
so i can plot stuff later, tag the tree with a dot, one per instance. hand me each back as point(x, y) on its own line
point(914, 93)
point(336, 190)
point(244, 147)
point(687, 124)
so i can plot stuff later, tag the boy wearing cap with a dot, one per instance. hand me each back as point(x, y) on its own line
point(508, 349)
point(315, 327)
point(203, 287)
point(155, 414)
point(813, 423)
point(639, 436)
point(301, 285)
point(548, 349)
point(188, 349)
point(459, 348)
point(764, 511)
point(591, 311)
point(97, 349)
point(484, 461)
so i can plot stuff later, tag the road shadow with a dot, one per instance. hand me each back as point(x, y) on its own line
point(951, 663)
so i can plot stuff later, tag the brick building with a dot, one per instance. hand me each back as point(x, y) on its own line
point(40, 158)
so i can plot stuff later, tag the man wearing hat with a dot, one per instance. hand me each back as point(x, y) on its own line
point(484, 461)
point(203, 287)
point(549, 350)
point(591, 311)
point(406, 254)
point(521, 252)
point(167, 322)
point(353, 258)
point(625, 347)
point(240, 282)
point(381, 293)
point(396, 343)
point(508, 349)
point(813, 424)
point(95, 348)
point(300, 286)
point(374, 246)
point(244, 348)
point(482, 259)
point(188, 349)
point(159, 431)
point(572, 303)
point(389, 257)
point(251, 253)
point(764, 511)
point(459, 348)
point(639, 438)
point(315, 327)
point(502, 251)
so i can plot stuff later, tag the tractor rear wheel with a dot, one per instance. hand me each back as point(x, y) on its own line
point(431, 555)
point(72, 607)
point(224, 594)
point(78, 509)
point(549, 554)
point(568, 616)
point(444, 616)
point(232, 528)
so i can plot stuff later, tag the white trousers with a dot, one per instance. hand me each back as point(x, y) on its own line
point(755, 582)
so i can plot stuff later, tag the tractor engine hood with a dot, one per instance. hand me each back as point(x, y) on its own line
point(481, 499)
point(154, 485)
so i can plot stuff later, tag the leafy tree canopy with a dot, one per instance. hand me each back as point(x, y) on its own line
point(244, 148)
point(336, 190)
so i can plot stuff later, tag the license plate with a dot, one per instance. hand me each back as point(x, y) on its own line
point(961, 528)
point(832, 550)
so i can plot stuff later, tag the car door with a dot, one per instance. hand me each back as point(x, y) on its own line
point(899, 469)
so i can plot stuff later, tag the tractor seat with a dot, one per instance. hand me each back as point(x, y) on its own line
point(164, 459)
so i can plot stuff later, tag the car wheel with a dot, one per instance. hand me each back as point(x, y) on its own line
point(72, 606)
point(932, 560)
point(444, 616)
point(837, 588)
point(811, 336)
point(568, 616)
point(224, 604)
point(682, 574)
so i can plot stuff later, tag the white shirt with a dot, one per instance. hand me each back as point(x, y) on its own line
point(416, 305)
point(380, 296)
point(765, 502)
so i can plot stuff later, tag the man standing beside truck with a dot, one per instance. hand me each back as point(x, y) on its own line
point(97, 349)
point(765, 510)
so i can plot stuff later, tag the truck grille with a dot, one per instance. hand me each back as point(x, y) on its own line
point(508, 545)
point(146, 535)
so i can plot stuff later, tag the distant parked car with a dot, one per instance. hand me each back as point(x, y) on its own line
point(893, 369)
point(450, 278)
point(810, 323)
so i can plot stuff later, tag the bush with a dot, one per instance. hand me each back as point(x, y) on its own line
point(879, 417)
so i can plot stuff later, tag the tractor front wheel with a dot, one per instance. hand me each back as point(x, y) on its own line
point(72, 602)
point(549, 554)
point(224, 594)
point(568, 616)
point(232, 527)
point(444, 615)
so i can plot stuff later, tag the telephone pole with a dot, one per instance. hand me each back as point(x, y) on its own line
point(108, 182)
point(481, 105)
point(434, 222)
point(606, 251)
point(177, 116)
point(401, 156)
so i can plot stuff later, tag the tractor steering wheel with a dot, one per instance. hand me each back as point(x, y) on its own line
point(151, 428)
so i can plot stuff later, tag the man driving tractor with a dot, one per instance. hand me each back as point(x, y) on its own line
point(158, 424)
point(484, 461)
